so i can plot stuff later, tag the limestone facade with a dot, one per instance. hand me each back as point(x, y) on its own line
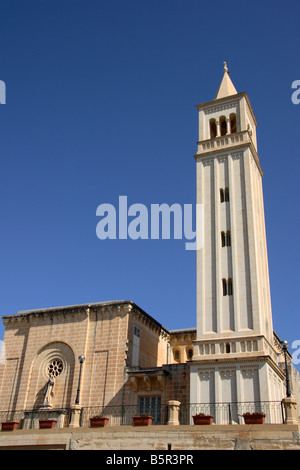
point(128, 355)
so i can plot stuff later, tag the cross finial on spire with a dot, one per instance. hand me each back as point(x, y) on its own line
point(226, 88)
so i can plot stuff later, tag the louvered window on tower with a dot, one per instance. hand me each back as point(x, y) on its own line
point(224, 195)
point(224, 284)
point(227, 286)
point(225, 238)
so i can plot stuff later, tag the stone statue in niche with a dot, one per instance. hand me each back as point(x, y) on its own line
point(48, 393)
point(54, 369)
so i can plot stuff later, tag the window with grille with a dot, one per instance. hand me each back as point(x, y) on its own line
point(150, 406)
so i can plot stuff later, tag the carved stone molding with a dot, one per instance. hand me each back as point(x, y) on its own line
point(206, 375)
point(134, 382)
point(150, 381)
point(161, 381)
point(147, 382)
point(236, 156)
point(227, 374)
point(207, 162)
point(249, 373)
point(222, 107)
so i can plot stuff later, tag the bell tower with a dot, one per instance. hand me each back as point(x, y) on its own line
point(234, 351)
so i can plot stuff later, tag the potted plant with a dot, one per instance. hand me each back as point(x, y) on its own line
point(202, 418)
point(9, 425)
point(47, 423)
point(142, 420)
point(254, 418)
point(98, 421)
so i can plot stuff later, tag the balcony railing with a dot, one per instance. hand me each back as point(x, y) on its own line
point(232, 413)
point(223, 141)
point(121, 415)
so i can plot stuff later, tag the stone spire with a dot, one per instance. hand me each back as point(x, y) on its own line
point(226, 88)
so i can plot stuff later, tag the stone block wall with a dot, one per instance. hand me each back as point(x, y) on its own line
point(33, 339)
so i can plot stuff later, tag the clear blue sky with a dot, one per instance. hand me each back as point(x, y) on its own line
point(101, 102)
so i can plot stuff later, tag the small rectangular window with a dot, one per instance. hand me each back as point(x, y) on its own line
point(227, 286)
point(136, 332)
point(223, 240)
point(222, 198)
point(224, 283)
point(224, 195)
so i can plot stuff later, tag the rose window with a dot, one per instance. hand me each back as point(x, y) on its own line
point(55, 368)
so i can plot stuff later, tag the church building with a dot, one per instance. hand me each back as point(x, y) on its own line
point(114, 359)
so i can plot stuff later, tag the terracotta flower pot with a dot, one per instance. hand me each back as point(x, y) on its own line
point(203, 419)
point(47, 423)
point(9, 425)
point(142, 420)
point(254, 418)
point(98, 421)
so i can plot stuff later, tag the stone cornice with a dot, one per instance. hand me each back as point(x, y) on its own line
point(72, 309)
point(84, 310)
point(52, 310)
point(226, 150)
point(43, 314)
